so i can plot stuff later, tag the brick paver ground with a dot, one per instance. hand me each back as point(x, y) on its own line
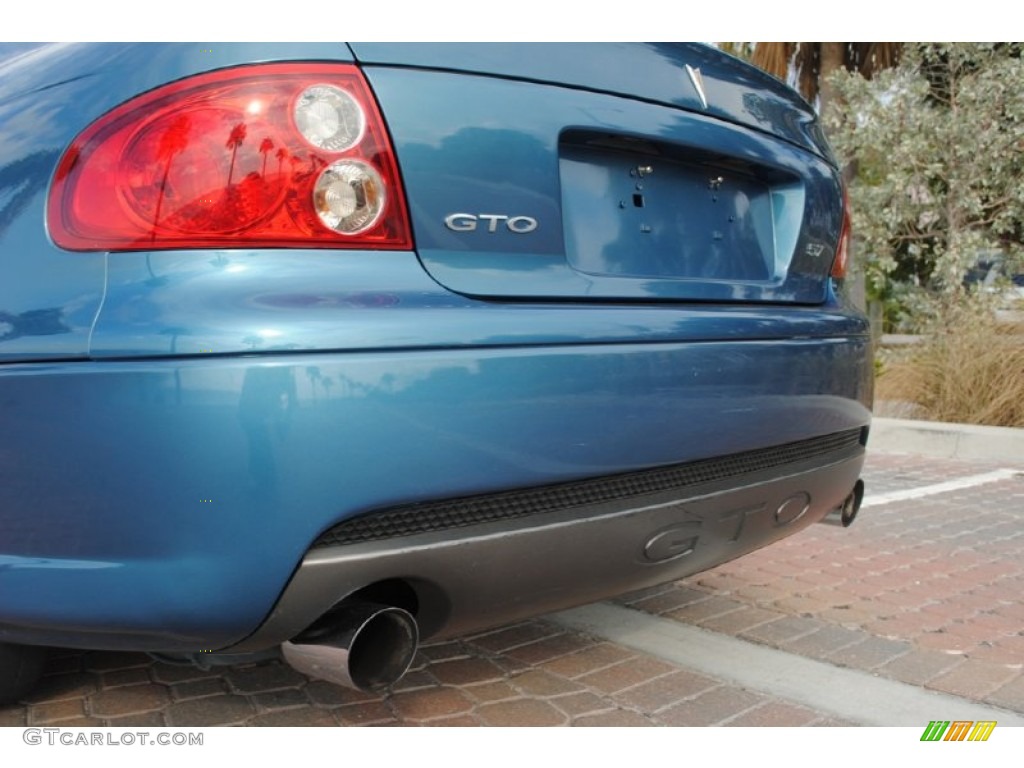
point(529, 674)
point(926, 592)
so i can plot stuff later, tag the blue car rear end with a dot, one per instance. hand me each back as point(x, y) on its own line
point(614, 355)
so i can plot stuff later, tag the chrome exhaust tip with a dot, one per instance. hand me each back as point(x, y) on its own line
point(846, 512)
point(365, 646)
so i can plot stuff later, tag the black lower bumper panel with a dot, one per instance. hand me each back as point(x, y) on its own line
point(483, 561)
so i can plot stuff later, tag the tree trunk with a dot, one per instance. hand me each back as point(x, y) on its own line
point(832, 59)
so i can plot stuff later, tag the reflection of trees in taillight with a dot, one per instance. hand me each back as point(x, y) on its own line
point(151, 173)
point(172, 142)
point(265, 147)
point(235, 140)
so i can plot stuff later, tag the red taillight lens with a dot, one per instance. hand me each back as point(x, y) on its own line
point(275, 155)
point(842, 259)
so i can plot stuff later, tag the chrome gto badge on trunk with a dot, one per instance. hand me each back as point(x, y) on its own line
point(468, 222)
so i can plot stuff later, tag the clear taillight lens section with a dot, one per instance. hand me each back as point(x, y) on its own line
point(275, 155)
point(842, 259)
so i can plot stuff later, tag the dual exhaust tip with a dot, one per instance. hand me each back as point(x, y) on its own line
point(846, 512)
point(368, 647)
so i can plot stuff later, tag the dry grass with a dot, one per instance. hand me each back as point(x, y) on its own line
point(970, 372)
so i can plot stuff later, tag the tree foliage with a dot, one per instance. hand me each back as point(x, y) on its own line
point(938, 145)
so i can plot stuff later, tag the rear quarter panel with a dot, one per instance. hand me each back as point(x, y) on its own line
point(49, 298)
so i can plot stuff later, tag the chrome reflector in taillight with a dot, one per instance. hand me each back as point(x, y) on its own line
point(349, 196)
point(274, 155)
point(329, 118)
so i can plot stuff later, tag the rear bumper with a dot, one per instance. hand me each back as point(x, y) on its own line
point(613, 539)
point(166, 504)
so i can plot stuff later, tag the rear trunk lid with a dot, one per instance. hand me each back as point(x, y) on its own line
point(608, 172)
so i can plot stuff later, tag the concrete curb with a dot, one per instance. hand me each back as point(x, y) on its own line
point(851, 694)
point(947, 441)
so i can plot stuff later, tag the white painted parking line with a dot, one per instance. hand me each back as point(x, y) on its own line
point(849, 694)
point(959, 484)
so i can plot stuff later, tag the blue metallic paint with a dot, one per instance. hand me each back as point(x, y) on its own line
point(224, 302)
point(653, 72)
point(178, 427)
point(511, 167)
point(117, 459)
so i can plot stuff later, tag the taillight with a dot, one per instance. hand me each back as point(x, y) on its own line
point(842, 258)
point(274, 155)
